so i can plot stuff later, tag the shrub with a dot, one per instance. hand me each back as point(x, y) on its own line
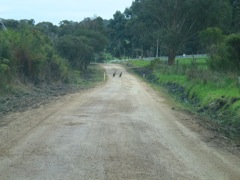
point(154, 64)
point(4, 72)
point(227, 55)
point(233, 49)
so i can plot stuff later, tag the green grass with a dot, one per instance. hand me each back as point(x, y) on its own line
point(207, 88)
point(139, 63)
point(165, 78)
point(90, 78)
point(209, 92)
point(201, 63)
point(82, 80)
point(206, 84)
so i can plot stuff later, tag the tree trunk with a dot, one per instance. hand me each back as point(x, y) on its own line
point(171, 57)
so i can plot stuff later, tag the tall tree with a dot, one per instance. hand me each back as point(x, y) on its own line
point(140, 30)
point(236, 15)
point(77, 49)
point(177, 22)
point(48, 28)
point(117, 34)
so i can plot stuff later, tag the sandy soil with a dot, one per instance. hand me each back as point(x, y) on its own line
point(120, 130)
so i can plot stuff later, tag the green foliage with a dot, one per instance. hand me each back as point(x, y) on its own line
point(45, 53)
point(213, 93)
point(154, 64)
point(173, 78)
point(6, 55)
point(48, 29)
point(174, 24)
point(201, 63)
point(107, 56)
point(211, 36)
point(96, 39)
point(29, 55)
point(226, 56)
point(81, 42)
point(233, 49)
point(236, 16)
point(139, 63)
point(77, 50)
point(117, 34)
point(5, 75)
point(89, 78)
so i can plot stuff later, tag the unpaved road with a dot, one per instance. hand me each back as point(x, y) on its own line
point(120, 130)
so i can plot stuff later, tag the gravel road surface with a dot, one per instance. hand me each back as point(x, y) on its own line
point(120, 130)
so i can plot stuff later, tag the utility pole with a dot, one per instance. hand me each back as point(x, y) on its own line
point(2, 25)
point(157, 49)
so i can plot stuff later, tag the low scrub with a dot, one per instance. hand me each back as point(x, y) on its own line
point(22, 96)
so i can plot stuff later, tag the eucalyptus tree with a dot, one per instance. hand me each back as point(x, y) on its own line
point(11, 23)
point(177, 22)
point(67, 27)
point(48, 28)
point(76, 49)
point(94, 24)
point(117, 34)
point(144, 28)
point(95, 30)
point(236, 15)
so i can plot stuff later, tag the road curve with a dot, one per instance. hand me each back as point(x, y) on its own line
point(120, 130)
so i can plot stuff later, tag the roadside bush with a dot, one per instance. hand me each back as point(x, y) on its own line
point(227, 55)
point(211, 36)
point(32, 59)
point(59, 69)
point(233, 49)
point(138, 63)
point(4, 73)
point(161, 66)
point(156, 63)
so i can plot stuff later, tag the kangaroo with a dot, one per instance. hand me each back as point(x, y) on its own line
point(120, 75)
point(114, 73)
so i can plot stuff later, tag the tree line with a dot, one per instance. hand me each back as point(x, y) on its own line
point(45, 52)
point(171, 27)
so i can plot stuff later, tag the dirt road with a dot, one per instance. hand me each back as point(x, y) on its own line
point(120, 130)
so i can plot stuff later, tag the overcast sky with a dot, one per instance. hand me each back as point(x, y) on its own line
point(57, 10)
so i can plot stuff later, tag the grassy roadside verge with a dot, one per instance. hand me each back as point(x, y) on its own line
point(27, 96)
point(211, 94)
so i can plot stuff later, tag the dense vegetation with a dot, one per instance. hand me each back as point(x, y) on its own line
point(44, 53)
point(154, 27)
point(199, 89)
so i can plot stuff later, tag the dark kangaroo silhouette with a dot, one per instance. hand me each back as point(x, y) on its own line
point(120, 75)
point(114, 73)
